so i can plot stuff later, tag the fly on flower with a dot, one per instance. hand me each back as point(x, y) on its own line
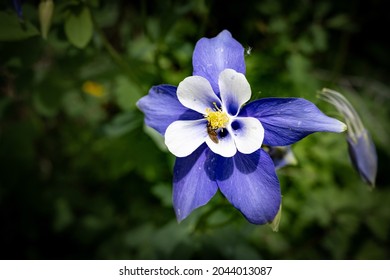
point(217, 135)
point(212, 133)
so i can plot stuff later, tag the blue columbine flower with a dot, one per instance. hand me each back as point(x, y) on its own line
point(217, 137)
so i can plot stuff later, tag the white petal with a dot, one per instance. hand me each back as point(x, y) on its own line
point(234, 90)
point(195, 92)
point(225, 146)
point(184, 137)
point(248, 134)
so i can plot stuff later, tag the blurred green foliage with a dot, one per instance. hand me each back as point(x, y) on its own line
point(82, 178)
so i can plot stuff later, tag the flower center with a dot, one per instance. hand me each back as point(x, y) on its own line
point(216, 117)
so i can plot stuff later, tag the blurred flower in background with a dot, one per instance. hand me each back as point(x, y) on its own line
point(93, 88)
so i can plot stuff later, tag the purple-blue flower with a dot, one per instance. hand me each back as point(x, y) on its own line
point(217, 136)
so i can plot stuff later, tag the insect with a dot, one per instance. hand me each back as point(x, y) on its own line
point(212, 134)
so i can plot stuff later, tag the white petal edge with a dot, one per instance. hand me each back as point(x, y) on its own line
point(184, 137)
point(196, 93)
point(225, 146)
point(249, 137)
point(234, 89)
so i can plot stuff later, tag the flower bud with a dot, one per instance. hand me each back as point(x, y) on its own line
point(363, 156)
point(360, 145)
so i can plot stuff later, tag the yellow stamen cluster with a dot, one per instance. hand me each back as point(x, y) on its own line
point(216, 118)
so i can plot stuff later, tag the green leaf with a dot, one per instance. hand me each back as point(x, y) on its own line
point(12, 29)
point(341, 22)
point(45, 9)
point(121, 124)
point(46, 103)
point(79, 28)
point(163, 191)
point(319, 37)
